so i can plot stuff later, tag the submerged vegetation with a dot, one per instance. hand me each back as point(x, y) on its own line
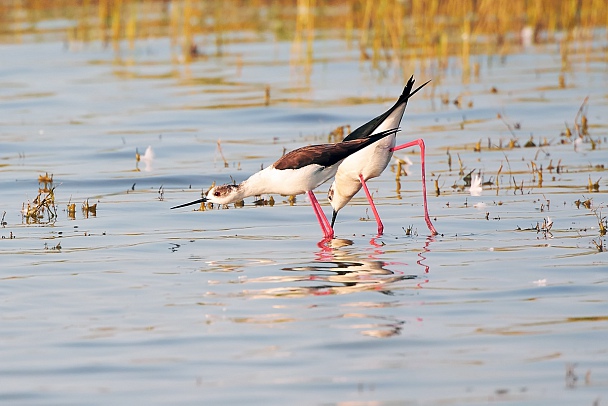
point(42, 209)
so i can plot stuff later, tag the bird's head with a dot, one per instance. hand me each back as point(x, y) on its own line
point(337, 200)
point(224, 194)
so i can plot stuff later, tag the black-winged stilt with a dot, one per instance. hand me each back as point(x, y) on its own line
point(371, 161)
point(299, 171)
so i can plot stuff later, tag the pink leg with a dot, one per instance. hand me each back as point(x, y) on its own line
point(328, 232)
point(420, 143)
point(372, 205)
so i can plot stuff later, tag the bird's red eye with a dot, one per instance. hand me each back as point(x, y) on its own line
point(216, 193)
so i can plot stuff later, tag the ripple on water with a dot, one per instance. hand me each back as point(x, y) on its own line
point(137, 302)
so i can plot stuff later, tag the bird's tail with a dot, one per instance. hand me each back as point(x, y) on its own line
point(390, 118)
point(364, 142)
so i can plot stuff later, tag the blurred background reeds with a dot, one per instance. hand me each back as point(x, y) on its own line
point(395, 36)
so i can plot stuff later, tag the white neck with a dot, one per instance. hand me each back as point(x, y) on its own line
point(257, 184)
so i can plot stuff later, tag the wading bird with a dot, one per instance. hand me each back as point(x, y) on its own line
point(299, 171)
point(371, 161)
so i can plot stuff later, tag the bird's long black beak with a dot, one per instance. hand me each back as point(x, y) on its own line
point(333, 218)
point(201, 200)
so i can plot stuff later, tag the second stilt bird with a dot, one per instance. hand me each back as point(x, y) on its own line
point(370, 162)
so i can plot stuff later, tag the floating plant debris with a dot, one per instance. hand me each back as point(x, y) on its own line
point(42, 209)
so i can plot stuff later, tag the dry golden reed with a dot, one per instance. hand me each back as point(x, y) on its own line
point(423, 32)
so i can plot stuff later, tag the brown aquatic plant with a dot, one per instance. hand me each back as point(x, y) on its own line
point(581, 129)
point(599, 245)
point(409, 230)
point(400, 171)
point(584, 125)
point(489, 182)
point(538, 171)
point(43, 204)
point(71, 209)
point(498, 177)
point(530, 143)
point(54, 248)
point(546, 205)
point(601, 221)
point(267, 95)
point(593, 186)
point(547, 225)
point(45, 179)
point(461, 171)
point(449, 159)
point(219, 149)
point(89, 209)
point(437, 190)
point(517, 187)
point(259, 201)
point(585, 203)
point(544, 228)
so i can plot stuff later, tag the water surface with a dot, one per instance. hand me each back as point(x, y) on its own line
point(137, 303)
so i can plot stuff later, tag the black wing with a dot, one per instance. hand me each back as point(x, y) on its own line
point(327, 154)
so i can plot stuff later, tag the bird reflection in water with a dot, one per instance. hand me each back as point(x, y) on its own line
point(340, 269)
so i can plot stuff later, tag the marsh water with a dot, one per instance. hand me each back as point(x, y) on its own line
point(130, 302)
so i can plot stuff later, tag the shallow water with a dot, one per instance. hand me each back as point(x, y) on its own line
point(136, 303)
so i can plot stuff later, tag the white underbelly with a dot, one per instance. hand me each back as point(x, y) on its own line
point(370, 162)
point(295, 181)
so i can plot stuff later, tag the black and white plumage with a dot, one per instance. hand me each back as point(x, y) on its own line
point(371, 161)
point(299, 171)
